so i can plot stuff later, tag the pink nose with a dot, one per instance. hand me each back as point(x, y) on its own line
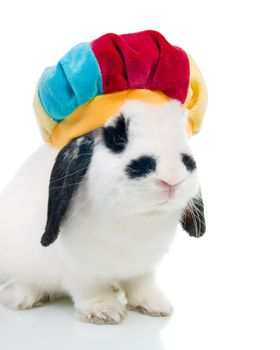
point(170, 189)
point(165, 184)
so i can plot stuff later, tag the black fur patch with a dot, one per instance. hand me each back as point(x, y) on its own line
point(141, 167)
point(116, 137)
point(193, 219)
point(189, 162)
point(68, 171)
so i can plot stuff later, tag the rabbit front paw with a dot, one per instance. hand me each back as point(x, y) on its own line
point(149, 302)
point(101, 311)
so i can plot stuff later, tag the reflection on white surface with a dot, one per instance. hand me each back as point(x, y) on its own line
point(54, 325)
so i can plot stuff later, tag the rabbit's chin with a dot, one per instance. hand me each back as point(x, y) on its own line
point(160, 204)
point(148, 200)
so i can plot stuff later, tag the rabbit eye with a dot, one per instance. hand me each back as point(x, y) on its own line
point(119, 140)
point(116, 137)
point(188, 161)
point(141, 167)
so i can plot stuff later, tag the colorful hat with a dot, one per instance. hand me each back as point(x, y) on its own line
point(93, 80)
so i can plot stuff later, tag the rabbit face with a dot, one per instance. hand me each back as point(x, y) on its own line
point(142, 162)
point(138, 163)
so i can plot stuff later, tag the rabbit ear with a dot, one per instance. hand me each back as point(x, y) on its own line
point(193, 219)
point(68, 171)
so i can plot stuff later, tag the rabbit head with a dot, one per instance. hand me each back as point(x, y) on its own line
point(138, 163)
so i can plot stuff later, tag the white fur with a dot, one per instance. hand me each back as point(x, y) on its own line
point(117, 229)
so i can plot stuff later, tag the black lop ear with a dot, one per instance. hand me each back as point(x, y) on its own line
point(70, 167)
point(193, 219)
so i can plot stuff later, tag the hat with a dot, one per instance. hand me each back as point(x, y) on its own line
point(93, 80)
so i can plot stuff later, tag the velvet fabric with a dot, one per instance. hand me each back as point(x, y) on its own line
point(144, 60)
point(72, 82)
point(93, 80)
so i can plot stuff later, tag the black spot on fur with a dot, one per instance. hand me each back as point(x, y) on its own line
point(193, 219)
point(141, 167)
point(116, 137)
point(189, 162)
point(70, 167)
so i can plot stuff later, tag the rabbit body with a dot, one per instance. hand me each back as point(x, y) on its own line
point(118, 223)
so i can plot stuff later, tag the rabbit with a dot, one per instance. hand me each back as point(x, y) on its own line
point(101, 212)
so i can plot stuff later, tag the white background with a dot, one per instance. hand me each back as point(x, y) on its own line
point(224, 286)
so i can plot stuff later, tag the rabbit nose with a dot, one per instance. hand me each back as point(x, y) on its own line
point(170, 183)
point(170, 189)
point(165, 185)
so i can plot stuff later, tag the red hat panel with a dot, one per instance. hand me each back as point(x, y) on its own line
point(144, 60)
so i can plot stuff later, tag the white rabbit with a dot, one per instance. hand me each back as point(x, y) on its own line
point(105, 208)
